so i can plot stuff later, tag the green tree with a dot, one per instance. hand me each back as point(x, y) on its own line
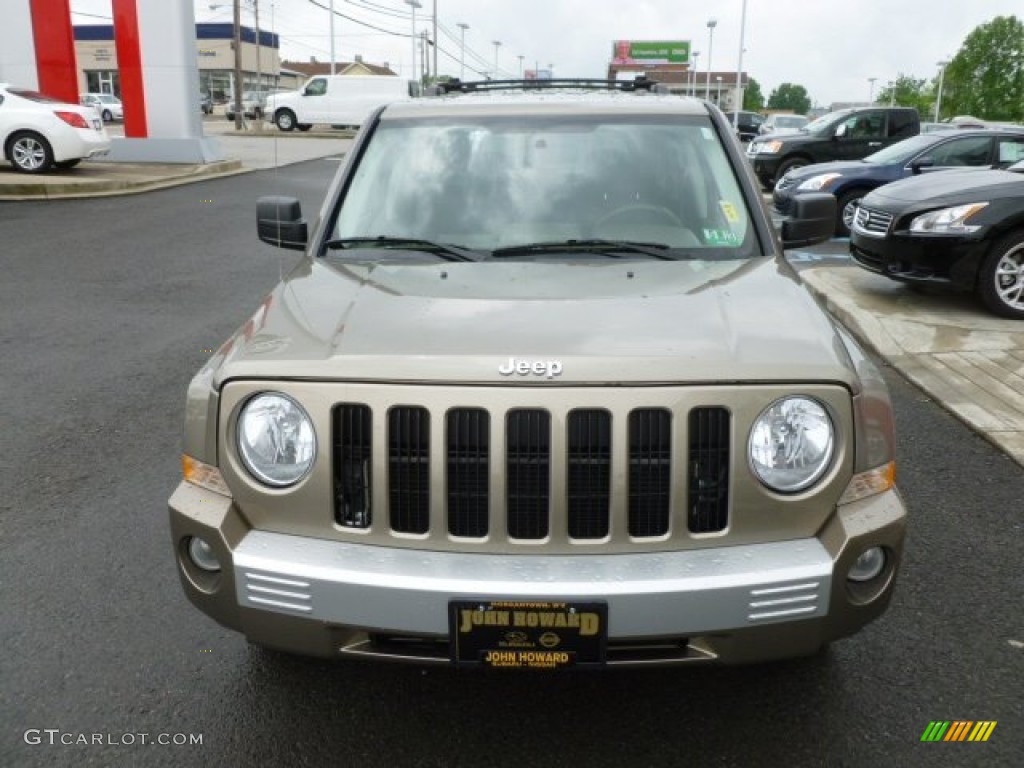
point(986, 77)
point(753, 99)
point(907, 91)
point(790, 97)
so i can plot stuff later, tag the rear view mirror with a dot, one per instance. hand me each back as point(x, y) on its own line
point(812, 220)
point(922, 162)
point(279, 222)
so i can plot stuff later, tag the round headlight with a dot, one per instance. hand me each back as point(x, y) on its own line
point(276, 439)
point(791, 444)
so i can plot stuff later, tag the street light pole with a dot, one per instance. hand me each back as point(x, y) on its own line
point(414, 4)
point(739, 71)
point(718, 98)
point(462, 50)
point(693, 73)
point(871, 90)
point(435, 40)
point(521, 57)
point(938, 100)
point(712, 23)
point(497, 45)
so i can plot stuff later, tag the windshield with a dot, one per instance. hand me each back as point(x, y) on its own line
point(901, 151)
point(792, 121)
point(823, 122)
point(493, 182)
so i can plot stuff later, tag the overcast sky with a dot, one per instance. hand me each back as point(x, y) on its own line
point(831, 47)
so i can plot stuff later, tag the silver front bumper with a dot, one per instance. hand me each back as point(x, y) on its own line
point(648, 595)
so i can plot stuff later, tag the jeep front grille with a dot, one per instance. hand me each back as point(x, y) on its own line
point(556, 474)
point(468, 441)
point(528, 473)
point(352, 451)
point(650, 471)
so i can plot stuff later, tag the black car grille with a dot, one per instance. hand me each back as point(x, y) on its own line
point(520, 500)
point(872, 222)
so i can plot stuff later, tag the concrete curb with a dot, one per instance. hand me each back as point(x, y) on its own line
point(125, 179)
point(969, 363)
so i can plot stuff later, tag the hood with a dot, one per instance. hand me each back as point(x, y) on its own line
point(538, 323)
point(946, 188)
point(847, 168)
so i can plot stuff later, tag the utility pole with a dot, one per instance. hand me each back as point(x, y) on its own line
point(332, 37)
point(497, 45)
point(237, 43)
point(435, 39)
point(521, 57)
point(259, 51)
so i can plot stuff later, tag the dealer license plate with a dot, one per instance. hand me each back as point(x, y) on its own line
point(527, 634)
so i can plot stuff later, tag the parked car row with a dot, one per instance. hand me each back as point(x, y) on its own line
point(38, 133)
point(927, 153)
point(944, 207)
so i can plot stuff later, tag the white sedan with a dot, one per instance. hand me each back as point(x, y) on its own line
point(107, 104)
point(38, 133)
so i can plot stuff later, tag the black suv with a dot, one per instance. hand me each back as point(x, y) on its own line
point(848, 134)
point(747, 125)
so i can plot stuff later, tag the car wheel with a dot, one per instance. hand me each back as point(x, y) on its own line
point(789, 165)
point(846, 209)
point(285, 120)
point(304, 126)
point(107, 116)
point(1001, 279)
point(65, 164)
point(29, 152)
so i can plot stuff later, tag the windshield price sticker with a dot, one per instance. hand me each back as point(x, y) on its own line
point(527, 634)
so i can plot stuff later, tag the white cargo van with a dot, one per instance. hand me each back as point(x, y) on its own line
point(339, 100)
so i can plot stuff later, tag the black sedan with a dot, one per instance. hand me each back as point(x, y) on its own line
point(959, 228)
point(850, 180)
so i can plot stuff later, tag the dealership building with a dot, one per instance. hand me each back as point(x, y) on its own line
point(261, 63)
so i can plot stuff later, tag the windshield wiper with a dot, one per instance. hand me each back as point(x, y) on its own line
point(606, 247)
point(446, 251)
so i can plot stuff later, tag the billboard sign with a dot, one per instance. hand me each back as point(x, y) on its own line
point(651, 52)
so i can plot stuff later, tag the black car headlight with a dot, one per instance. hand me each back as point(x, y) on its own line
point(947, 221)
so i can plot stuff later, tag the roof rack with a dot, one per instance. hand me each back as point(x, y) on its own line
point(457, 86)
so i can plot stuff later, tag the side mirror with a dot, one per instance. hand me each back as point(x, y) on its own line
point(922, 162)
point(812, 220)
point(840, 131)
point(279, 222)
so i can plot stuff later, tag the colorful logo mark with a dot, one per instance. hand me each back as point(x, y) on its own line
point(958, 730)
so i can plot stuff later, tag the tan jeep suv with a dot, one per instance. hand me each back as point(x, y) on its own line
point(542, 392)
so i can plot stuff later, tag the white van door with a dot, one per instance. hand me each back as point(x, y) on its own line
point(315, 102)
point(352, 98)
